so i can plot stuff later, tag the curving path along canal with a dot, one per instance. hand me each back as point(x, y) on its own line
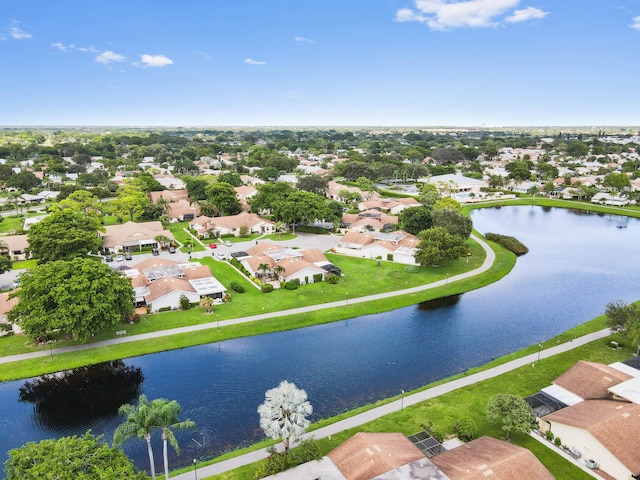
point(486, 265)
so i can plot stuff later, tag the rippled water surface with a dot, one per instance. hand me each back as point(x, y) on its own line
point(577, 264)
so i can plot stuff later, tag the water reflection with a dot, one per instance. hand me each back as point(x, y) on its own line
point(71, 398)
point(439, 303)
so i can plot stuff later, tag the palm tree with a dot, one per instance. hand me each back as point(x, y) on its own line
point(167, 420)
point(283, 413)
point(278, 270)
point(263, 267)
point(139, 424)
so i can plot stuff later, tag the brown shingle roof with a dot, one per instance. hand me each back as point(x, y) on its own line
point(490, 459)
point(615, 424)
point(367, 455)
point(590, 380)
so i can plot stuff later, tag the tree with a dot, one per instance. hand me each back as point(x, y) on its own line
point(81, 201)
point(278, 270)
point(283, 413)
point(313, 183)
point(232, 178)
point(224, 198)
point(512, 412)
point(416, 219)
point(269, 194)
point(302, 207)
point(438, 246)
point(5, 259)
point(207, 304)
point(23, 181)
point(354, 170)
point(264, 268)
point(166, 414)
point(533, 191)
point(623, 317)
point(78, 297)
point(64, 235)
point(196, 188)
point(455, 222)
point(131, 201)
point(618, 181)
point(140, 422)
point(82, 458)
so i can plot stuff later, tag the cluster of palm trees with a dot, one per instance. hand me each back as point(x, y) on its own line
point(278, 270)
point(146, 417)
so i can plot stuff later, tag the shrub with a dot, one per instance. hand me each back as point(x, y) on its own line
point(236, 287)
point(266, 288)
point(466, 429)
point(317, 277)
point(290, 285)
point(311, 229)
point(164, 309)
point(510, 243)
point(557, 442)
point(185, 304)
point(549, 435)
point(333, 279)
point(390, 257)
point(279, 462)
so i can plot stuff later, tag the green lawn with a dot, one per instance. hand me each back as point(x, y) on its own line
point(442, 412)
point(188, 242)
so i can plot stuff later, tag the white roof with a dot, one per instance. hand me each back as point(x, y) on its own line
point(629, 390)
point(565, 396)
point(207, 286)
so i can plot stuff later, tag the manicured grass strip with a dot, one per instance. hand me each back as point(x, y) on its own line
point(629, 211)
point(188, 242)
point(442, 412)
point(20, 264)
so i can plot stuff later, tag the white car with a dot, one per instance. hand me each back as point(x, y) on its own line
point(220, 256)
point(119, 258)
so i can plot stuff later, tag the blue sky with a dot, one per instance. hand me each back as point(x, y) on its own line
point(320, 63)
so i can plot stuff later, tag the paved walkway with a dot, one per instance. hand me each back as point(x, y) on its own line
point(396, 405)
point(486, 265)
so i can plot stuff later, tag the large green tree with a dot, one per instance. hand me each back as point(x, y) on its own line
point(313, 183)
point(454, 221)
point(79, 458)
point(77, 297)
point(64, 235)
point(131, 201)
point(223, 198)
point(512, 412)
point(437, 246)
point(416, 219)
point(303, 207)
point(618, 181)
point(269, 194)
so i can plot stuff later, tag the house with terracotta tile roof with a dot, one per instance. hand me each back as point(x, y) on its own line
point(303, 265)
point(244, 193)
point(132, 236)
point(598, 416)
point(209, 227)
point(159, 283)
point(491, 459)
point(398, 246)
point(369, 221)
point(17, 245)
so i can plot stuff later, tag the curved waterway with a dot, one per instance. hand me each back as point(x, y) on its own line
point(577, 263)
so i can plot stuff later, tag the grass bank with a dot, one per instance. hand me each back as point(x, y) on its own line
point(362, 277)
point(442, 412)
point(629, 211)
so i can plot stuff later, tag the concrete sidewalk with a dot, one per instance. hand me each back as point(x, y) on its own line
point(396, 405)
point(486, 265)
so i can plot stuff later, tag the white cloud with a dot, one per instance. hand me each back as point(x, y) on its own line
point(251, 61)
point(110, 57)
point(62, 47)
point(449, 14)
point(636, 23)
point(88, 49)
point(529, 13)
point(17, 32)
point(155, 60)
point(303, 40)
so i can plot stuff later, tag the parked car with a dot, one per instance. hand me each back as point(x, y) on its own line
point(127, 256)
point(213, 245)
point(119, 258)
point(172, 249)
point(227, 243)
point(155, 252)
point(108, 258)
point(220, 255)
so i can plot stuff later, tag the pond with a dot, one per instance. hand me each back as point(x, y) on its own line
point(577, 263)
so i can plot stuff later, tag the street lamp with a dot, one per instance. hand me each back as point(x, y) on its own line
point(195, 468)
point(539, 349)
point(346, 299)
point(218, 321)
point(402, 400)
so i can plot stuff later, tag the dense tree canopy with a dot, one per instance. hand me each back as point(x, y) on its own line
point(64, 235)
point(223, 198)
point(78, 297)
point(313, 183)
point(455, 222)
point(416, 219)
point(269, 194)
point(512, 412)
point(303, 207)
point(80, 458)
point(616, 180)
point(437, 246)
